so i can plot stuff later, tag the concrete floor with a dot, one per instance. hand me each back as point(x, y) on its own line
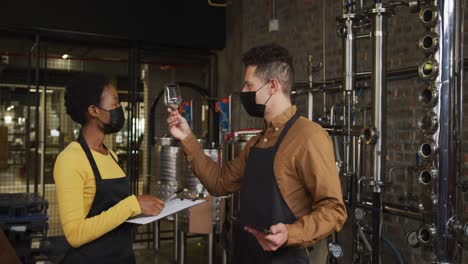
point(196, 253)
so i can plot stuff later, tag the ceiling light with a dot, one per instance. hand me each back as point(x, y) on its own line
point(8, 119)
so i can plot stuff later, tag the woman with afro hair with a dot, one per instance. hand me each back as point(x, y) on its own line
point(92, 190)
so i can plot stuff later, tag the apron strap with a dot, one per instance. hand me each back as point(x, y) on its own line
point(90, 157)
point(286, 128)
point(288, 125)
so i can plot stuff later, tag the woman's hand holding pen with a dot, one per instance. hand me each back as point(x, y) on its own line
point(150, 205)
point(178, 126)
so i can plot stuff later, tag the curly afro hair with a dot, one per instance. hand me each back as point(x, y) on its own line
point(81, 92)
point(272, 61)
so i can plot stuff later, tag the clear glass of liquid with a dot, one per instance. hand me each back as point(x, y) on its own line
point(172, 97)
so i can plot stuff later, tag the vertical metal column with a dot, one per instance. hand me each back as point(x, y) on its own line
point(182, 245)
point(449, 85)
point(211, 246)
point(176, 238)
point(157, 228)
point(349, 44)
point(27, 147)
point(379, 118)
point(132, 115)
point(346, 30)
point(44, 121)
point(36, 115)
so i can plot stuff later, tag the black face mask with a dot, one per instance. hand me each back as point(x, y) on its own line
point(248, 100)
point(117, 120)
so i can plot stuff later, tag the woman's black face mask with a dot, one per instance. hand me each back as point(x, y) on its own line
point(117, 120)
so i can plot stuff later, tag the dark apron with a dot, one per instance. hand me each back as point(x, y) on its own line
point(262, 205)
point(116, 245)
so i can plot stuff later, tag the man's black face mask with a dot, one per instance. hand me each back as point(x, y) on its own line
point(248, 100)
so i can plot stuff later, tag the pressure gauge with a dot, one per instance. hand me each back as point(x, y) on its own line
point(359, 213)
point(335, 250)
point(412, 239)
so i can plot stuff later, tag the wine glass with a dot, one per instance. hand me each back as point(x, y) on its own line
point(172, 97)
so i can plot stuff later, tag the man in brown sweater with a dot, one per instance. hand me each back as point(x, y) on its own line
point(290, 193)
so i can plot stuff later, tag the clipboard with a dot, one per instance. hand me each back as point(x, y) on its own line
point(170, 208)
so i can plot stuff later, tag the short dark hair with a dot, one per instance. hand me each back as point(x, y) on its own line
point(272, 61)
point(81, 92)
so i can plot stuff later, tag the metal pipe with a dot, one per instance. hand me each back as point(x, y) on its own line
point(332, 88)
point(324, 107)
point(449, 84)
point(36, 117)
point(44, 121)
point(182, 242)
point(332, 114)
point(129, 125)
point(310, 110)
point(358, 194)
point(379, 120)
point(402, 212)
point(355, 241)
point(211, 249)
point(310, 70)
point(396, 210)
point(311, 83)
point(132, 149)
point(157, 228)
point(324, 46)
point(379, 89)
point(349, 65)
point(363, 237)
point(136, 118)
point(324, 62)
point(349, 44)
point(230, 115)
point(358, 158)
point(212, 84)
point(339, 130)
point(363, 36)
point(336, 148)
point(347, 137)
point(353, 147)
point(361, 76)
point(27, 144)
point(176, 238)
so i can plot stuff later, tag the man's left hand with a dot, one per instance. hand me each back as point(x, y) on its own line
point(271, 242)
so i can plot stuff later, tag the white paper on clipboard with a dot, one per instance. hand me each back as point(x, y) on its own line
point(170, 208)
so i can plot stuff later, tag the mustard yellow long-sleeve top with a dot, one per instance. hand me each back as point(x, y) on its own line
point(76, 188)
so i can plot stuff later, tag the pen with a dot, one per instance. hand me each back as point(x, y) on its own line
point(174, 195)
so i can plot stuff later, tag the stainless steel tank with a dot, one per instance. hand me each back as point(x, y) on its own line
point(167, 167)
point(193, 186)
point(203, 218)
